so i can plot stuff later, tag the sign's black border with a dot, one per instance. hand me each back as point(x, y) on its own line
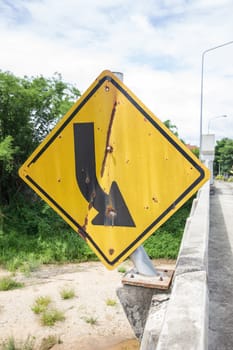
point(153, 122)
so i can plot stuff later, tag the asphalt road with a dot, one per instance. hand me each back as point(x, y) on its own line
point(220, 277)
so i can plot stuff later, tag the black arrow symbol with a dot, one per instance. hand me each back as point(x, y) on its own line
point(111, 207)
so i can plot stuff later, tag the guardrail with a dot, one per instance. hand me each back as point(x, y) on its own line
point(184, 318)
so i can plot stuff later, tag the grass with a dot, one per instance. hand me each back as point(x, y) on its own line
point(50, 316)
point(41, 304)
point(11, 344)
point(29, 266)
point(165, 241)
point(8, 283)
point(25, 253)
point(121, 269)
point(111, 302)
point(32, 236)
point(91, 320)
point(67, 293)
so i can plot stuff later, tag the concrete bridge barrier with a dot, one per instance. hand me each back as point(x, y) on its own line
point(182, 321)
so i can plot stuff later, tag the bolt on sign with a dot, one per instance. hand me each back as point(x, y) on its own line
point(112, 170)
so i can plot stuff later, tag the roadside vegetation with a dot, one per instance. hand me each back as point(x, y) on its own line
point(49, 315)
point(67, 293)
point(8, 283)
point(29, 344)
point(54, 242)
point(165, 242)
point(111, 302)
point(223, 162)
point(93, 321)
point(41, 304)
point(12, 344)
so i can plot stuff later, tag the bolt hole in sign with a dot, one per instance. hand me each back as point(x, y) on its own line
point(112, 170)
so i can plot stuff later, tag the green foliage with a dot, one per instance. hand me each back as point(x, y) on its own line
point(7, 283)
point(11, 344)
point(165, 242)
point(91, 320)
point(121, 269)
point(67, 293)
point(16, 250)
point(111, 302)
point(196, 152)
point(29, 109)
point(219, 177)
point(223, 162)
point(29, 266)
point(50, 316)
point(52, 241)
point(6, 153)
point(41, 304)
point(171, 127)
point(36, 235)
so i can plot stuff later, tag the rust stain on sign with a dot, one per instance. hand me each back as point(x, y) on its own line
point(108, 147)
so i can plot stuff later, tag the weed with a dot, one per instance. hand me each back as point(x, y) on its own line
point(111, 302)
point(7, 283)
point(42, 236)
point(91, 320)
point(10, 344)
point(29, 266)
point(41, 304)
point(121, 269)
point(48, 342)
point(13, 264)
point(51, 316)
point(67, 293)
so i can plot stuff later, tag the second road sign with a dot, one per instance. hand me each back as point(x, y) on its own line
point(112, 170)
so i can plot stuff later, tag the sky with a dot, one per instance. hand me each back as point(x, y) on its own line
point(156, 44)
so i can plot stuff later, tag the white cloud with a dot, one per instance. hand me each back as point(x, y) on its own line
point(157, 44)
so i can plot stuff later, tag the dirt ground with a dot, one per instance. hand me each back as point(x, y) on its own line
point(94, 288)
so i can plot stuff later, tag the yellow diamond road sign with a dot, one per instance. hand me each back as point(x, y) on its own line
point(112, 170)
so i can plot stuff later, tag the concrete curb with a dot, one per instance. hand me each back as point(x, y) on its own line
point(185, 321)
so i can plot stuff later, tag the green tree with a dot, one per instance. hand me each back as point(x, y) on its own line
point(171, 127)
point(29, 109)
point(223, 163)
point(6, 153)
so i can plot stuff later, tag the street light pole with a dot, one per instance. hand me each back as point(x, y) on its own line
point(219, 116)
point(202, 75)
